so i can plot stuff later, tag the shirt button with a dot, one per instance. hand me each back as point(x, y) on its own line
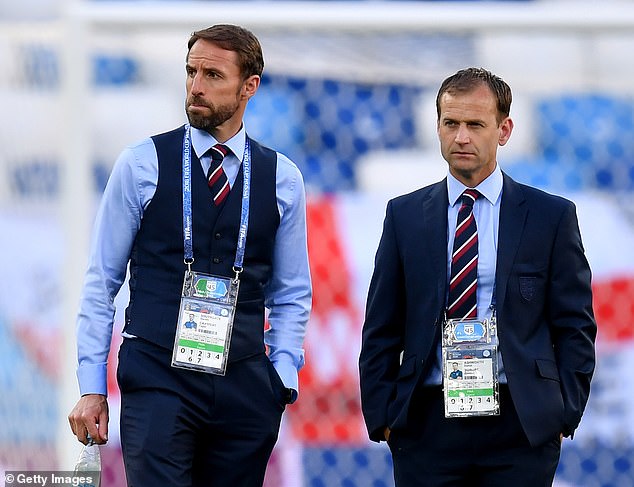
point(218, 236)
point(216, 260)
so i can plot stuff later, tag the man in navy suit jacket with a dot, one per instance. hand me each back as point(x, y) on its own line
point(531, 272)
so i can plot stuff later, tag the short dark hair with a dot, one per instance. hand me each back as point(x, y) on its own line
point(237, 39)
point(468, 79)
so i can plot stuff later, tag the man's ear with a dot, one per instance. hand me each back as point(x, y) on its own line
point(506, 127)
point(250, 86)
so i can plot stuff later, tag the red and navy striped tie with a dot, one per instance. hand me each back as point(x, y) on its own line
point(464, 262)
point(216, 177)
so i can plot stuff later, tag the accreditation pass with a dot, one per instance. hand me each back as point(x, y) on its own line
point(470, 369)
point(470, 385)
point(205, 322)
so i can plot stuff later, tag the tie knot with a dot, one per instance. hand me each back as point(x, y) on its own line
point(218, 152)
point(469, 196)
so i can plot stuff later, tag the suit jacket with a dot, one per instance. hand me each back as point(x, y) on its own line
point(546, 325)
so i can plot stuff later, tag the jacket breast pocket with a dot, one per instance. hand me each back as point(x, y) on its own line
point(531, 282)
point(527, 287)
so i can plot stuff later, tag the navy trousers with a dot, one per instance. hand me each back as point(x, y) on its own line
point(490, 451)
point(183, 428)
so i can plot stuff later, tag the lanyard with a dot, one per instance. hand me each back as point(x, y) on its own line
point(187, 204)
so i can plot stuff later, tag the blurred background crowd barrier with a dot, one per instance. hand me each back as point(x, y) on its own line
point(348, 94)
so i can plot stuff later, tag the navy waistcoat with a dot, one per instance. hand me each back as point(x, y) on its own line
point(156, 263)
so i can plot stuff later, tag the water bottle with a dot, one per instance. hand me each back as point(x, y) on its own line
point(88, 466)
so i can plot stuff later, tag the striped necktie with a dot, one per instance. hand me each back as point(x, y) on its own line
point(464, 261)
point(216, 177)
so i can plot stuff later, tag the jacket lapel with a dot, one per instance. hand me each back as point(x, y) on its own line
point(435, 233)
point(513, 212)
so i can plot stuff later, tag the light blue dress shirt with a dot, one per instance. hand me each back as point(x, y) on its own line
point(486, 211)
point(132, 183)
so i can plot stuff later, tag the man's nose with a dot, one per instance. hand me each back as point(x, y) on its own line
point(196, 87)
point(462, 135)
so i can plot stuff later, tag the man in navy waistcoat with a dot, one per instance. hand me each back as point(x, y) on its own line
point(182, 427)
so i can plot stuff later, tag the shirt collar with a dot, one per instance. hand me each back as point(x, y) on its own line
point(202, 141)
point(490, 188)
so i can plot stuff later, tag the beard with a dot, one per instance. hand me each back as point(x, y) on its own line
point(217, 116)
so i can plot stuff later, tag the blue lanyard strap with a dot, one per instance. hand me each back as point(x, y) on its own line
point(187, 204)
point(187, 199)
point(244, 213)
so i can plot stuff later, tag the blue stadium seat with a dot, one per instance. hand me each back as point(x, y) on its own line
point(324, 126)
point(592, 134)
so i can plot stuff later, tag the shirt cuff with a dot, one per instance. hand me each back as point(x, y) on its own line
point(288, 373)
point(92, 379)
